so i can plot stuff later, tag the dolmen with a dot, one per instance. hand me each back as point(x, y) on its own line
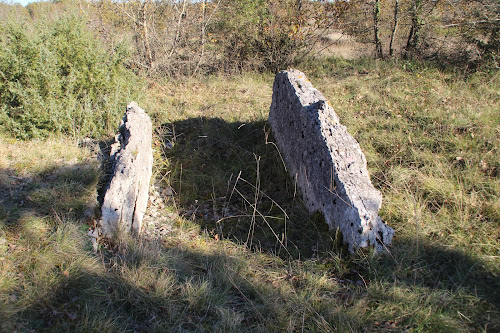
point(126, 194)
point(326, 162)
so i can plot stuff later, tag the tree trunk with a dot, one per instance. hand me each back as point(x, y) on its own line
point(202, 36)
point(147, 48)
point(376, 18)
point(414, 35)
point(394, 28)
point(178, 29)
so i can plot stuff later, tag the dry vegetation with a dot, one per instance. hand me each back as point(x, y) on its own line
point(241, 253)
point(439, 177)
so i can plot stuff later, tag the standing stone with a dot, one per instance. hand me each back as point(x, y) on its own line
point(126, 196)
point(326, 162)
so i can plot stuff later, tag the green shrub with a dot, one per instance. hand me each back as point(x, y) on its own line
point(56, 76)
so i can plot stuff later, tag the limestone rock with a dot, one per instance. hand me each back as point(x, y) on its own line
point(326, 162)
point(126, 196)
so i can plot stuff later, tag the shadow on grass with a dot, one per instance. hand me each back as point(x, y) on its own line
point(147, 287)
point(437, 267)
point(174, 287)
point(153, 288)
point(230, 178)
point(56, 190)
point(210, 157)
point(55, 284)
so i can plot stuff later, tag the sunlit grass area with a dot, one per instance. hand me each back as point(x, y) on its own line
point(431, 138)
point(244, 254)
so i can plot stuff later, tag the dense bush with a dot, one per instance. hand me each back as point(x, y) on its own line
point(56, 76)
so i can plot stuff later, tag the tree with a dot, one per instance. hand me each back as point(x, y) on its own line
point(376, 39)
point(394, 27)
point(415, 26)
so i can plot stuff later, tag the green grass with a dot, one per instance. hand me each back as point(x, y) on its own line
point(246, 256)
point(431, 139)
point(432, 145)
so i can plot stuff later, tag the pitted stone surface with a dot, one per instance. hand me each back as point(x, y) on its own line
point(126, 197)
point(326, 162)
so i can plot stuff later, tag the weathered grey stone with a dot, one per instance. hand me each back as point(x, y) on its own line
point(326, 162)
point(126, 196)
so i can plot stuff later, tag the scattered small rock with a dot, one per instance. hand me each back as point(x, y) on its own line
point(157, 223)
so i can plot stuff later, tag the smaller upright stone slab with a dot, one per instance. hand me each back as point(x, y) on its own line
point(326, 162)
point(126, 196)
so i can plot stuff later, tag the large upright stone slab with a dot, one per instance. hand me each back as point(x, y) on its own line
point(126, 196)
point(326, 162)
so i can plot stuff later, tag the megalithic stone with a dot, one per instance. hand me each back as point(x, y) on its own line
point(126, 195)
point(326, 162)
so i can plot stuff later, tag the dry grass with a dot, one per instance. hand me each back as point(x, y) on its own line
point(235, 275)
point(341, 45)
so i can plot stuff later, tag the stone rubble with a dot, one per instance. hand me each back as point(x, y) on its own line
point(158, 223)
